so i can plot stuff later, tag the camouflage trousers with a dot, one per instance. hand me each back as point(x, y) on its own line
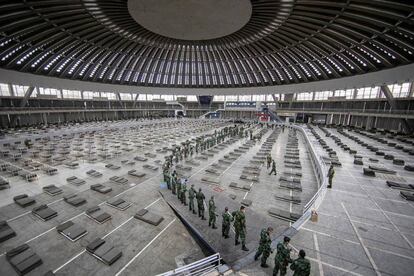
point(272, 171)
point(201, 210)
point(281, 267)
point(242, 234)
point(167, 180)
point(212, 218)
point(264, 252)
point(191, 204)
point(225, 229)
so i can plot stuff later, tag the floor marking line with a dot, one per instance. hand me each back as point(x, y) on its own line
point(368, 246)
point(113, 230)
point(152, 203)
point(26, 213)
point(329, 235)
point(318, 255)
point(336, 267)
point(371, 260)
point(116, 228)
point(143, 249)
point(69, 261)
point(392, 223)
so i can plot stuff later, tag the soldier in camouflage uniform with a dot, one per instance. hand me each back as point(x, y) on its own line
point(273, 168)
point(301, 266)
point(240, 227)
point(183, 191)
point(264, 246)
point(282, 258)
point(269, 160)
point(225, 226)
point(166, 174)
point(200, 204)
point(178, 184)
point(212, 213)
point(191, 195)
point(173, 183)
point(331, 174)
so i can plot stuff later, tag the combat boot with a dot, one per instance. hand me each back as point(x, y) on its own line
point(244, 248)
point(264, 265)
point(226, 236)
point(236, 242)
point(214, 226)
point(203, 218)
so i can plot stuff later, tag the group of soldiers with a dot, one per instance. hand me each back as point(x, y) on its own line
point(238, 217)
point(300, 266)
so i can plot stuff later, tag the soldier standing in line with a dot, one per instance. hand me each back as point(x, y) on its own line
point(179, 189)
point(183, 190)
point(173, 183)
point(273, 170)
point(191, 196)
point(240, 227)
point(212, 213)
point(225, 226)
point(264, 246)
point(301, 266)
point(269, 160)
point(282, 258)
point(166, 175)
point(200, 204)
point(331, 174)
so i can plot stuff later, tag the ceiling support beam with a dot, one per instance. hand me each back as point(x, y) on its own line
point(27, 95)
point(11, 89)
point(135, 100)
point(391, 101)
point(388, 94)
point(118, 96)
point(275, 100)
point(411, 94)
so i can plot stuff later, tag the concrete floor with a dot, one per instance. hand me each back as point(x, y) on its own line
point(166, 245)
point(364, 227)
point(262, 194)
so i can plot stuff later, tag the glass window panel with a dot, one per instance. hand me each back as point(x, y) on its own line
point(323, 95)
point(245, 98)
point(192, 98)
point(168, 97)
point(218, 98)
point(74, 94)
point(109, 95)
point(305, 96)
point(19, 90)
point(231, 98)
point(142, 97)
point(90, 95)
point(125, 96)
point(49, 92)
point(4, 89)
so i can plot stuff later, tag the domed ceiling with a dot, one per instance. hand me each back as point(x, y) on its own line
point(205, 43)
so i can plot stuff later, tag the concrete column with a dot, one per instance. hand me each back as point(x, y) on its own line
point(354, 95)
point(44, 115)
point(11, 89)
point(411, 93)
